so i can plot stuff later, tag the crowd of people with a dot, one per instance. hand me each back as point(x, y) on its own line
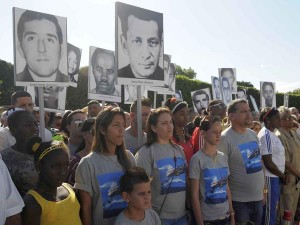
point(226, 166)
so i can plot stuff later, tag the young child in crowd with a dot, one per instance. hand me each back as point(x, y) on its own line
point(52, 201)
point(136, 190)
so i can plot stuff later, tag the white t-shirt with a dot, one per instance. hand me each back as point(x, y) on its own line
point(270, 144)
point(11, 202)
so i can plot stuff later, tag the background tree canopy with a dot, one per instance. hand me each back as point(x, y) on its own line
point(185, 81)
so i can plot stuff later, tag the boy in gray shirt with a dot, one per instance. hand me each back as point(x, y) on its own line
point(136, 190)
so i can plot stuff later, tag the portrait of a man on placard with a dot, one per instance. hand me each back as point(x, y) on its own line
point(230, 74)
point(226, 90)
point(130, 93)
point(178, 95)
point(101, 79)
point(139, 44)
point(216, 89)
point(74, 57)
point(40, 48)
point(54, 97)
point(242, 94)
point(286, 99)
point(267, 94)
point(200, 99)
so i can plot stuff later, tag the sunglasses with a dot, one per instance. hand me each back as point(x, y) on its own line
point(78, 123)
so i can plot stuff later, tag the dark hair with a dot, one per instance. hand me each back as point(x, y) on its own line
point(215, 78)
point(224, 69)
point(41, 149)
point(63, 126)
point(152, 121)
point(232, 106)
point(171, 103)
point(125, 10)
point(144, 102)
point(29, 15)
point(103, 120)
point(99, 51)
point(87, 126)
point(15, 119)
point(207, 122)
point(200, 92)
point(18, 94)
point(264, 84)
point(133, 176)
point(70, 116)
point(78, 56)
point(267, 113)
point(92, 102)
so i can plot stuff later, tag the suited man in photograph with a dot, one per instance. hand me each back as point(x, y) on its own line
point(141, 41)
point(40, 39)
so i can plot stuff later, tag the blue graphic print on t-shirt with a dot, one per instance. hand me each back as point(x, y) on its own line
point(215, 180)
point(251, 156)
point(112, 201)
point(172, 173)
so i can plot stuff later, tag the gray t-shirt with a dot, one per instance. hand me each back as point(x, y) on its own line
point(151, 218)
point(212, 173)
point(131, 142)
point(166, 163)
point(21, 168)
point(246, 178)
point(99, 175)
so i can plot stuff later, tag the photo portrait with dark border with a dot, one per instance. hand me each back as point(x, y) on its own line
point(74, 57)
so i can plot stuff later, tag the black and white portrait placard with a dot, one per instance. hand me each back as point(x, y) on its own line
point(230, 74)
point(267, 94)
point(40, 48)
point(130, 93)
point(226, 90)
point(101, 77)
point(216, 88)
point(139, 46)
point(54, 97)
point(178, 95)
point(242, 94)
point(200, 99)
point(73, 58)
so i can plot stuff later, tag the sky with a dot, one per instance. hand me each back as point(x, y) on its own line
point(258, 38)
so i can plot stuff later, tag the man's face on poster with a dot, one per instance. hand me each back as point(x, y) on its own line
point(171, 75)
point(200, 101)
point(132, 92)
point(40, 47)
point(226, 90)
point(72, 62)
point(104, 73)
point(241, 95)
point(268, 93)
point(229, 75)
point(217, 88)
point(143, 46)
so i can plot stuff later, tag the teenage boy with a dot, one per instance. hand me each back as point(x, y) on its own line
point(135, 189)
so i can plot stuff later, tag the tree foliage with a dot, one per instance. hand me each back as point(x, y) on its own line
point(190, 73)
point(245, 84)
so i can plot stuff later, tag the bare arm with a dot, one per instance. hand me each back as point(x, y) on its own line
point(231, 210)
point(270, 165)
point(195, 201)
point(14, 220)
point(86, 207)
point(31, 214)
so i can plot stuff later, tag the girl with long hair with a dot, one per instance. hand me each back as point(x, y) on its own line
point(97, 175)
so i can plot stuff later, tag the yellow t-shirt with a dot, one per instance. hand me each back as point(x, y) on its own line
point(64, 212)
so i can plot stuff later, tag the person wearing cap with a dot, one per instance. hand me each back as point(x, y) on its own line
point(290, 140)
point(215, 108)
point(272, 152)
point(94, 107)
point(179, 113)
point(74, 123)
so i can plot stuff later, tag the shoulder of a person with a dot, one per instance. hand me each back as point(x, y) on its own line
point(227, 131)
point(31, 202)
